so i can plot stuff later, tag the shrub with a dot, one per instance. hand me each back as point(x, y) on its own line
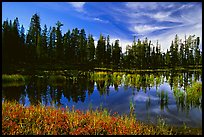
point(41, 120)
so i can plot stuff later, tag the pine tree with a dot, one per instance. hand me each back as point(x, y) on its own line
point(6, 44)
point(52, 45)
point(116, 54)
point(100, 51)
point(67, 47)
point(182, 55)
point(44, 44)
point(33, 37)
point(74, 46)
point(82, 47)
point(108, 53)
point(22, 51)
point(15, 36)
point(197, 51)
point(91, 50)
point(59, 44)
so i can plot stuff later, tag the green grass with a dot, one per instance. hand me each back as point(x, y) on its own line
point(192, 96)
point(41, 120)
point(194, 93)
point(13, 84)
point(56, 80)
point(14, 80)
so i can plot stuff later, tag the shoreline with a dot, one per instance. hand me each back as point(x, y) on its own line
point(36, 120)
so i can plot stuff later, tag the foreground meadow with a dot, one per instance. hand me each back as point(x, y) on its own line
point(41, 120)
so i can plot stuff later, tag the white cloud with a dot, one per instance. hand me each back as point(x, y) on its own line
point(142, 5)
point(187, 15)
point(143, 18)
point(100, 20)
point(163, 16)
point(144, 29)
point(142, 97)
point(97, 19)
point(78, 5)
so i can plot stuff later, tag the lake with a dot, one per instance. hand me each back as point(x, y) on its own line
point(153, 94)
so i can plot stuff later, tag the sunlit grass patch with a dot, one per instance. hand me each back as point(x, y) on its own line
point(10, 78)
point(13, 84)
point(13, 80)
point(194, 93)
point(192, 96)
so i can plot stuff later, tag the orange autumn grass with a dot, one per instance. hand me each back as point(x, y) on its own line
point(41, 120)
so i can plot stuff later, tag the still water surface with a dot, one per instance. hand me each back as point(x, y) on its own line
point(151, 93)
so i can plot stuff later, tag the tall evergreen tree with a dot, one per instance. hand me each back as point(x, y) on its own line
point(44, 43)
point(67, 47)
point(91, 50)
point(108, 53)
point(82, 47)
point(59, 44)
point(181, 55)
point(116, 54)
point(6, 43)
point(33, 36)
point(15, 41)
point(197, 51)
point(52, 45)
point(100, 51)
point(34, 29)
point(22, 51)
point(75, 46)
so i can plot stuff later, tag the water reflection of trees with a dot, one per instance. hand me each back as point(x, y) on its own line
point(13, 93)
point(40, 89)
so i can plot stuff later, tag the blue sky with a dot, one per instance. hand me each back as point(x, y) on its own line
point(121, 20)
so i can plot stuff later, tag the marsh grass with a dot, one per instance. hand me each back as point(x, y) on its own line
point(194, 93)
point(192, 96)
point(41, 120)
point(14, 80)
point(56, 80)
point(13, 84)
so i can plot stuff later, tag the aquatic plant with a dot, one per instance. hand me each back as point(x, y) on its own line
point(13, 78)
point(55, 80)
point(132, 109)
point(151, 79)
point(194, 93)
point(164, 98)
point(192, 96)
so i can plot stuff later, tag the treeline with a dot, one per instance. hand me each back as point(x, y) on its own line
point(49, 48)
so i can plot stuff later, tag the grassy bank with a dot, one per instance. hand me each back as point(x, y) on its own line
point(17, 119)
point(189, 68)
point(13, 80)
